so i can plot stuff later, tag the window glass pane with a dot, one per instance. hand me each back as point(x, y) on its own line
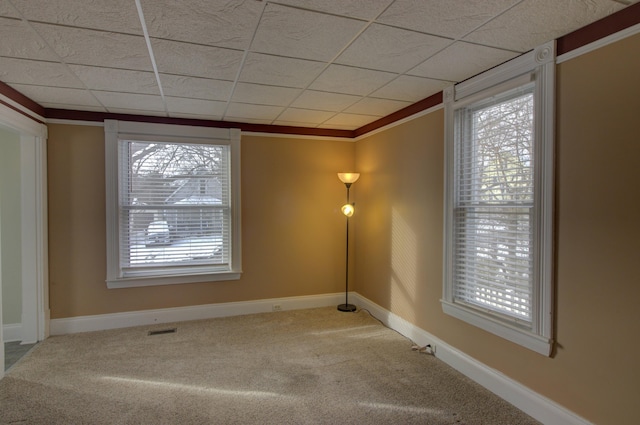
point(174, 205)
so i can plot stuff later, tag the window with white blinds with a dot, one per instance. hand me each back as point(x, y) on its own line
point(493, 211)
point(173, 203)
point(499, 195)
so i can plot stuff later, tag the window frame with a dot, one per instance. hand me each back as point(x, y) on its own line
point(136, 131)
point(536, 66)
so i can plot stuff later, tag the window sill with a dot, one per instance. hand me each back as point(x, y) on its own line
point(132, 282)
point(512, 333)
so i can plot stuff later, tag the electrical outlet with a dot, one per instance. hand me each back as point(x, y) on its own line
point(277, 307)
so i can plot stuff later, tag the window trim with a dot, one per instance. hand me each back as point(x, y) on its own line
point(539, 66)
point(116, 130)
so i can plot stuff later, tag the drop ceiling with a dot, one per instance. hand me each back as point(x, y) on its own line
point(338, 64)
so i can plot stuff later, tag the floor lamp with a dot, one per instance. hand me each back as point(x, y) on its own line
point(347, 209)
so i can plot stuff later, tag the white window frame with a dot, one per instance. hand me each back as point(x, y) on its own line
point(126, 130)
point(538, 66)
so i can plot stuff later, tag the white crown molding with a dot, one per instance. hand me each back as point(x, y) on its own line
point(537, 406)
point(620, 35)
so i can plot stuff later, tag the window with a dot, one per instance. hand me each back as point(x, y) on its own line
point(173, 207)
point(499, 193)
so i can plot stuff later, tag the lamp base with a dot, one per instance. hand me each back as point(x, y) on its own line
point(347, 307)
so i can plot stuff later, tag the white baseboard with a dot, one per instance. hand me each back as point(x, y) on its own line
point(181, 314)
point(535, 405)
point(12, 333)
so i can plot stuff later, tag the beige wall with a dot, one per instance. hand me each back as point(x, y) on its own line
point(11, 227)
point(594, 370)
point(292, 233)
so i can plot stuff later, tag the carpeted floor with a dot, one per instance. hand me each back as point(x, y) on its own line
point(316, 366)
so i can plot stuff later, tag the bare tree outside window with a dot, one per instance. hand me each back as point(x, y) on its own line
point(174, 200)
point(494, 208)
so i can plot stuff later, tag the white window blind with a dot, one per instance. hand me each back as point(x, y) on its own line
point(493, 211)
point(498, 218)
point(174, 206)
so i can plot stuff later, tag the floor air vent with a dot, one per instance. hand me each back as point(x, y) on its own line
point(163, 331)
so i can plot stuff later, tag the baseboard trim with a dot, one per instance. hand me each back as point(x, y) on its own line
point(537, 406)
point(180, 314)
point(12, 333)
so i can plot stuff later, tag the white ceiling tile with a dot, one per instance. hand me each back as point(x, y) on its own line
point(113, 100)
point(294, 124)
point(264, 95)
point(137, 111)
point(279, 71)
point(247, 120)
point(310, 99)
point(72, 107)
point(461, 61)
point(195, 116)
point(290, 32)
point(352, 121)
point(377, 107)
point(363, 9)
point(20, 41)
point(306, 116)
point(96, 48)
point(258, 112)
point(410, 88)
point(69, 96)
point(122, 80)
point(391, 49)
point(40, 73)
point(7, 10)
point(112, 15)
point(452, 18)
point(534, 22)
point(196, 88)
point(349, 80)
point(196, 60)
point(195, 106)
point(229, 23)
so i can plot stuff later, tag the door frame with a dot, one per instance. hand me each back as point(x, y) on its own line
point(33, 174)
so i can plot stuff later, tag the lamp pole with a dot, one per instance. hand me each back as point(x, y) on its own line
point(346, 306)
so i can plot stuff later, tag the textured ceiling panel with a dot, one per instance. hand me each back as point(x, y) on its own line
point(304, 116)
point(38, 73)
point(7, 10)
point(112, 15)
point(348, 80)
point(363, 9)
point(376, 107)
point(451, 18)
point(534, 22)
point(68, 96)
point(335, 64)
point(196, 60)
point(324, 101)
point(112, 100)
point(297, 33)
point(391, 49)
point(256, 112)
point(461, 61)
point(410, 89)
point(278, 71)
point(109, 79)
point(264, 95)
point(349, 121)
point(19, 40)
point(196, 88)
point(220, 23)
point(98, 48)
point(196, 107)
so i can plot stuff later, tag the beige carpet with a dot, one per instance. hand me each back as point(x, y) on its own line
point(316, 366)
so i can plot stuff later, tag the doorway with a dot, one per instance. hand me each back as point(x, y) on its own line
point(23, 256)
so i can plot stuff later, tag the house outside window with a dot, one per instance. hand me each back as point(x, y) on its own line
point(499, 196)
point(173, 207)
